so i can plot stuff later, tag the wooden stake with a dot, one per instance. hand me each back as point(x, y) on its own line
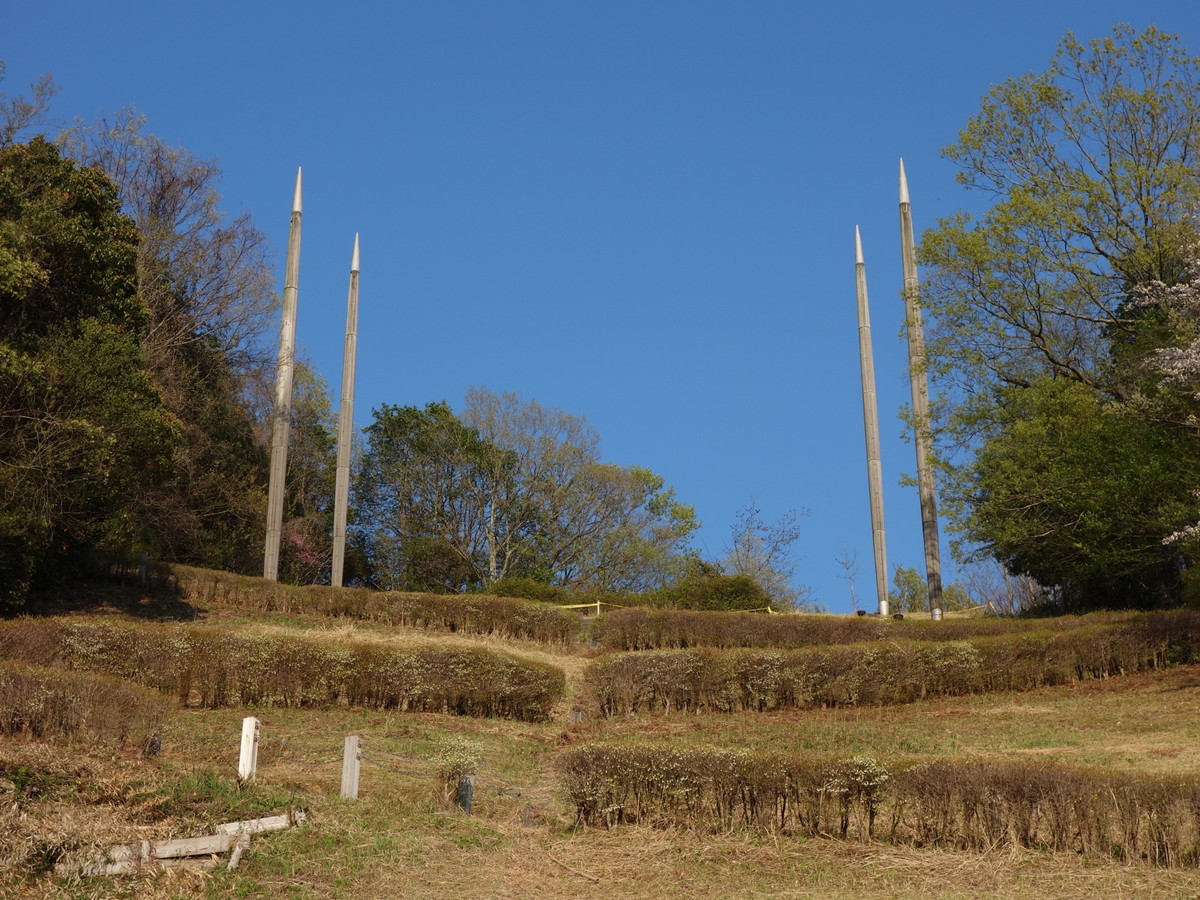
point(351, 764)
point(248, 760)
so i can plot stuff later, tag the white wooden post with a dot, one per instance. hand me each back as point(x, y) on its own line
point(248, 761)
point(351, 763)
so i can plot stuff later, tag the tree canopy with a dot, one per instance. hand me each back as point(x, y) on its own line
point(513, 489)
point(1095, 167)
point(1076, 460)
point(206, 281)
point(82, 428)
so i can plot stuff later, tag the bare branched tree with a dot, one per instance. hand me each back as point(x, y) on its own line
point(21, 115)
point(848, 562)
point(989, 584)
point(548, 499)
point(764, 552)
point(206, 278)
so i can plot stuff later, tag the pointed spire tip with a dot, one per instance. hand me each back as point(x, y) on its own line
point(903, 183)
point(858, 254)
point(296, 199)
point(354, 259)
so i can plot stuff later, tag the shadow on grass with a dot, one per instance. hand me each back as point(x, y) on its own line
point(159, 599)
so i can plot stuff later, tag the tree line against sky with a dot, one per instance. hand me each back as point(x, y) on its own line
point(136, 361)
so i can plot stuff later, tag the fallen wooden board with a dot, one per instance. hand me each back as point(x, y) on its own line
point(198, 852)
point(206, 863)
point(197, 846)
point(256, 826)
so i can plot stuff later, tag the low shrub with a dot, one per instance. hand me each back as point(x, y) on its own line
point(664, 629)
point(710, 592)
point(960, 804)
point(891, 671)
point(214, 667)
point(744, 679)
point(506, 617)
point(48, 704)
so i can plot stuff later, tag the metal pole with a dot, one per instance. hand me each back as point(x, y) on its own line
point(282, 423)
point(923, 437)
point(866, 362)
point(345, 426)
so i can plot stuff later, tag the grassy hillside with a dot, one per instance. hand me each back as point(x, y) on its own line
point(61, 794)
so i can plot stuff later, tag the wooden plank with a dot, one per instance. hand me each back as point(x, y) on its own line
point(127, 867)
point(197, 846)
point(242, 845)
point(269, 823)
point(232, 837)
point(202, 863)
point(122, 860)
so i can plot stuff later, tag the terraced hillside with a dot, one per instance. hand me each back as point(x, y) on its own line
point(654, 754)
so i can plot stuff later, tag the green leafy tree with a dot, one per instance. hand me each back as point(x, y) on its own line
point(415, 494)
point(205, 279)
point(1076, 494)
point(1094, 168)
point(516, 490)
point(83, 433)
point(552, 509)
point(1040, 335)
point(910, 593)
point(559, 512)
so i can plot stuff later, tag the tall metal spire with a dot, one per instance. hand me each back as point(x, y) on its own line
point(920, 401)
point(345, 426)
point(866, 362)
point(285, 370)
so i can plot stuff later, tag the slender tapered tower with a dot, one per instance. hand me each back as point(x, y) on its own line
point(345, 426)
point(866, 363)
point(920, 401)
point(282, 419)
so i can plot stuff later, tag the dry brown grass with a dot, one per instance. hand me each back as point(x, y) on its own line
point(399, 839)
point(645, 864)
point(1145, 722)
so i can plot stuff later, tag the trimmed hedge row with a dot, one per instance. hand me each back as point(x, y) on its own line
point(53, 703)
point(217, 667)
point(884, 672)
point(667, 629)
point(471, 613)
point(961, 804)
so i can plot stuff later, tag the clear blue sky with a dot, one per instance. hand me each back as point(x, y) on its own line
point(641, 212)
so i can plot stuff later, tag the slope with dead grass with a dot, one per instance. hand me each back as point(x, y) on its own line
point(402, 837)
